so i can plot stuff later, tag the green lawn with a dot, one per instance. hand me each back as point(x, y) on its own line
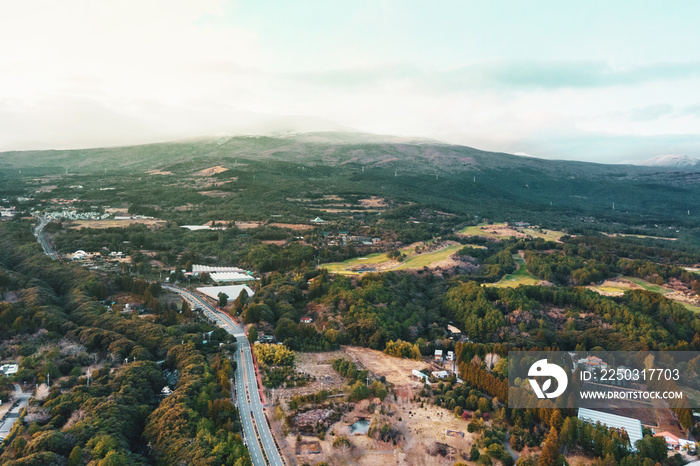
point(477, 231)
point(519, 277)
point(422, 260)
point(649, 286)
point(690, 307)
point(548, 235)
point(412, 262)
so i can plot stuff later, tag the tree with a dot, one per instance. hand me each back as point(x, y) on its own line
point(223, 299)
point(474, 453)
point(76, 457)
point(550, 451)
point(252, 334)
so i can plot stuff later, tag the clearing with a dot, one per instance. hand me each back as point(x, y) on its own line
point(519, 277)
point(211, 171)
point(503, 230)
point(101, 224)
point(618, 286)
point(438, 255)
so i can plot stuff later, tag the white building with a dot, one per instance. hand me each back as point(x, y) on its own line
point(9, 369)
point(232, 291)
point(438, 355)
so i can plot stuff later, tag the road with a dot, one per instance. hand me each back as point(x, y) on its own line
point(256, 430)
point(45, 245)
point(20, 401)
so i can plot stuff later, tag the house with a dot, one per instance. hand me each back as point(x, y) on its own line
point(450, 356)
point(318, 221)
point(592, 363)
point(419, 375)
point(632, 426)
point(306, 320)
point(673, 442)
point(440, 374)
point(438, 355)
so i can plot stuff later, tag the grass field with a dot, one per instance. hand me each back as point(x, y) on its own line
point(519, 277)
point(380, 260)
point(690, 307)
point(648, 286)
point(548, 235)
point(501, 230)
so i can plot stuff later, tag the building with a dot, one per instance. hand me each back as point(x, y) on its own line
point(438, 355)
point(229, 277)
point(454, 330)
point(419, 375)
point(450, 356)
point(79, 255)
point(632, 426)
point(197, 269)
point(318, 221)
point(306, 320)
point(9, 369)
point(674, 442)
point(440, 374)
point(232, 291)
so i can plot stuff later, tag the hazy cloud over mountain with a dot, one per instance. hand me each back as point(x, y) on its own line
point(600, 81)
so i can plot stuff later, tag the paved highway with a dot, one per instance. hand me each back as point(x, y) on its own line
point(45, 245)
point(259, 440)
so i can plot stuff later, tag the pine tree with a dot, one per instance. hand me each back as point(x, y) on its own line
point(550, 451)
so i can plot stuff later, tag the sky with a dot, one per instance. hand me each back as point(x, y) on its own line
point(613, 82)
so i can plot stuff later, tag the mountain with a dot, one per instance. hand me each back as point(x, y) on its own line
point(415, 170)
point(671, 161)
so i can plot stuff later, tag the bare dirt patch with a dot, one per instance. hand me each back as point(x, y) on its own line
point(242, 225)
point(373, 201)
point(102, 224)
point(211, 171)
point(292, 226)
point(396, 370)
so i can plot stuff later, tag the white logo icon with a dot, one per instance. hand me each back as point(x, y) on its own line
point(544, 369)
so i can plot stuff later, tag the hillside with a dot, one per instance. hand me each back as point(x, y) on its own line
point(415, 170)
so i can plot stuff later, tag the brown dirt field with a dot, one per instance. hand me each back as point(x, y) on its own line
point(211, 171)
point(281, 242)
point(246, 225)
point(373, 201)
point(396, 370)
point(101, 224)
point(420, 428)
point(292, 226)
point(319, 366)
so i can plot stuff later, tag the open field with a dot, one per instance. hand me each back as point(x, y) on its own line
point(380, 262)
point(618, 286)
point(502, 230)
point(419, 428)
point(101, 224)
point(648, 286)
point(519, 277)
point(641, 236)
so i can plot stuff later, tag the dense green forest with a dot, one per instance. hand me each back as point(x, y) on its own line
point(107, 370)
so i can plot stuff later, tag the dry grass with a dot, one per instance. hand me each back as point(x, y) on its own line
point(102, 224)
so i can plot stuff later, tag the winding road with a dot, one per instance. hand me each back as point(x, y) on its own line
point(257, 434)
